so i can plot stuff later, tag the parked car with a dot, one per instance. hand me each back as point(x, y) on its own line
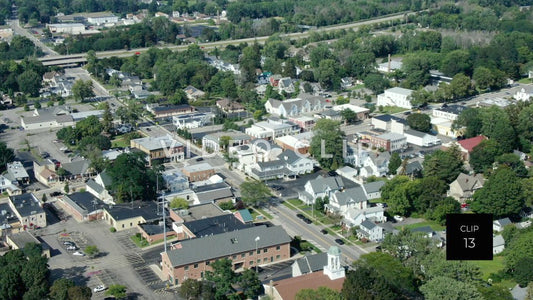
point(307, 220)
point(300, 216)
point(99, 288)
point(339, 241)
point(78, 253)
point(45, 154)
point(200, 159)
point(324, 231)
point(69, 243)
point(277, 187)
point(72, 248)
point(55, 194)
point(398, 218)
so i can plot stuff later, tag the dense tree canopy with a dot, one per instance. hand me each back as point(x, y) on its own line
point(420, 122)
point(445, 165)
point(254, 193)
point(326, 145)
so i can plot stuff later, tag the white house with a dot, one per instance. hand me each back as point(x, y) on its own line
point(389, 123)
point(354, 217)
point(320, 187)
point(294, 107)
point(524, 94)
point(500, 224)
point(449, 112)
point(340, 202)
point(286, 85)
point(347, 172)
point(375, 164)
point(421, 139)
point(498, 244)
point(396, 96)
point(370, 231)
point(9, 186)
point(286, 165)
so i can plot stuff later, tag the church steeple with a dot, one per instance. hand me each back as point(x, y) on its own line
point(333, 269)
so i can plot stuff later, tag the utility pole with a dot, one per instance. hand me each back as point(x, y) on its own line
point(164, 224)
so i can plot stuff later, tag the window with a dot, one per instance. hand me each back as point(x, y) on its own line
point(251, 253)
point(243, 255)
point(258, 251)
point(186, 268)
point(251, 263)
point(278, 256)
point(265, 259)
point(196, 266)
point(278, 247)
point(258, 261)
point(122, 225)
point(208, 262)
point(234, 256)
point(265, 250)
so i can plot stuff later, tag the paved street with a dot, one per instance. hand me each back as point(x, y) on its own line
point(15, 25)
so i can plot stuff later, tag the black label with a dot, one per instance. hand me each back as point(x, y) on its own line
point(469, 237)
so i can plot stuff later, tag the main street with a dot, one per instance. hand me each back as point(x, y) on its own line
point(15, 25)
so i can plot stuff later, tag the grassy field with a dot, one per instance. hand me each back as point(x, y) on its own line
point(434, 225)
point(488, 267)
point(392, 109)
point(119, 142)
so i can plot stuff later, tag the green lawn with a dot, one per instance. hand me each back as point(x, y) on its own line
point(434, 225)
point(307, 246)
point(525, 80)
point(488, 267)
point(139, 241)
point(392, 109)
point(119, 142)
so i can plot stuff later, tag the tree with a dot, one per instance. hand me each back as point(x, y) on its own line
point(460, 86)
point(59, 290)
point(191, 289)
point(66, 188)
point(82, 90)
point(349, 116)
point(469, 118)
point(179, 203)
point(455, 62)
point(107, 118)
point(92, 250)
point(495, 292)
point(514, 162)
point(79, 293)
point(447, 206)
point(366, 283)
point(117, 290)
point(502, 194)
point(517, 249)
point(254, 193)
point(376, 82)
point(445, 165)
point(327, 144)
point(222, 276)
point(321, 293)
point(394, 163)
point(250, 284)
point(390, 269)
point(523, 273)
point(327, 74)
point(497, 126)
point(29, 82)
point(447, 288)
point(484, 155)
point(7, 155)
point(420, 122)
point(394, 193)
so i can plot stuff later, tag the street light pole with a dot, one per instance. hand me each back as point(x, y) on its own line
point(256, 254)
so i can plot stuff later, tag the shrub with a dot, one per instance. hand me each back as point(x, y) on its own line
point(113, 229)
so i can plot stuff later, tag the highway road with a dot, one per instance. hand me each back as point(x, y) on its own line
point(219, 44)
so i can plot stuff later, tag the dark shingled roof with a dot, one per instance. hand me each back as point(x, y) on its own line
point(146, 209)
point(312, 263)
point(26, 204)
point(226, 244)
point(215, 225)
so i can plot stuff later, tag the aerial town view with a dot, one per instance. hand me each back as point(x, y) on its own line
point(266, 149)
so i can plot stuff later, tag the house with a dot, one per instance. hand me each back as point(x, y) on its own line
point(361, 112)
point(211, 142)
point(524, 94)
point(463, 188)
point(329, 114)
point(294, 107)
point(272, 128)
point(500, 224)
point(286, 165)
point(296, 163)
point(141, 94)
point(445, 127)
point(389, 123)
point(527, 212)
point(212, 193)
point(198, 172)
point(412, 169)
point(346, 82)
point(466, 146)
point(9, 186)
point(375, 164)
point(370, 231)
point(309, 264)
point(305, 123)
point(193, 93)
point(229, 106)
point(9, 222)
point(82, 206)
point(164, 148)
point(78, 170)
point(332, 276)
point(45, 173)
point(285, 85)
point(298, 143)
point(396, 96)
point(208, 226)
point(21, 239)
point(17, 173)
point(129, 215)
point(257, 151)
point(449, 112)
point(28, 210)
point(353, 217)
point(356, 198)
point(320, 187)
point(97, 186)
point(244, 216)
point(421, 139)
point(498, 244)
point(248, 247)
point(274, 80)
point(347, 172)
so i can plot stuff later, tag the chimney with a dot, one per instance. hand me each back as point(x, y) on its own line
point(388, 66)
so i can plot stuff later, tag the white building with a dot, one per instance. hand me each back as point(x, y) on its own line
point(320, 187)
point(388, 67)
point(294, 107)
point(375, 164)
point(58, 116)
point(421, 139)
point(396, 96)
point(68, 28)
point(272, 128)
point(192, 120)
point(524, 94)
point(370, 231)
point(100, 18)
point(389, 123)
point(498, 244)
point(449, 112)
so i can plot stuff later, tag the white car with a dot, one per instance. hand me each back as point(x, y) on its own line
point(398, 218)
point(72, 248)
point(99, 288)
point(78, 253)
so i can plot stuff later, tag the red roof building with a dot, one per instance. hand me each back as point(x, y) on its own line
point(466, 146)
